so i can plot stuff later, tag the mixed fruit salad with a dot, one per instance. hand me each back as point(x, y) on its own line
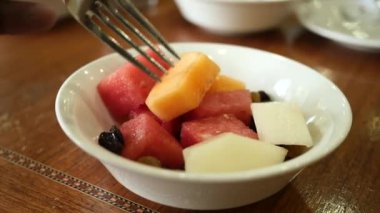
point(197, 119)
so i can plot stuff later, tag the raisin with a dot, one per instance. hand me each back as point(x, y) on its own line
point(264, 97)
point(114, 130)
point(112, 140)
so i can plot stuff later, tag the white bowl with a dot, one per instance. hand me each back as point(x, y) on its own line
point(235, 16)
point(83, 116)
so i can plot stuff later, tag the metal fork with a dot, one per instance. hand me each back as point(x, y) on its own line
point(111, 13)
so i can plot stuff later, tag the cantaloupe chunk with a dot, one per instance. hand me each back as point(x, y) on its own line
point(225, 83)
point(229, 152)
point(184, 87)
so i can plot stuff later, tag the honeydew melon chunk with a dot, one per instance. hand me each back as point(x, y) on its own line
point(225, 83)
point(184, 87)
point(281, 123)
point(229, 152)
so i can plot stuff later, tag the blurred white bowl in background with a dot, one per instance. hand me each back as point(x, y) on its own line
point(235, 16)
point(57, 5)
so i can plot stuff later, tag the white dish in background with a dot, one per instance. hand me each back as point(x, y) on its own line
point(354, 24)
point(231, 17)
point(82, 116)
point(57, 5)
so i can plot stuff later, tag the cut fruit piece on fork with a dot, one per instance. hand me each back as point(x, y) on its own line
point(101, 16)
point(184, 87)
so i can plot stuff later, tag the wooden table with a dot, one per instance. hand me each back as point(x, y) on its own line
point(42, 171)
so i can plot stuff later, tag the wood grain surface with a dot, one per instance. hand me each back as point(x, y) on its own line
point(32, 68)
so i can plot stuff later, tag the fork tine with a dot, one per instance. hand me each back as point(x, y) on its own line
point(118, 48)
point(129, 7)
point(99, 16)
point(140, 35)
point(106, 20)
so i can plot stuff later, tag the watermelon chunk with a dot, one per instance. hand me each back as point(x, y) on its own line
point(127, 88)
point(236, 102)
point(172, 126)
point(144, 136)
point(196, 131)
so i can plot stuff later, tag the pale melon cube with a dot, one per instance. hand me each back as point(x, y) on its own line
point(281, 123)
point(229, 152)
